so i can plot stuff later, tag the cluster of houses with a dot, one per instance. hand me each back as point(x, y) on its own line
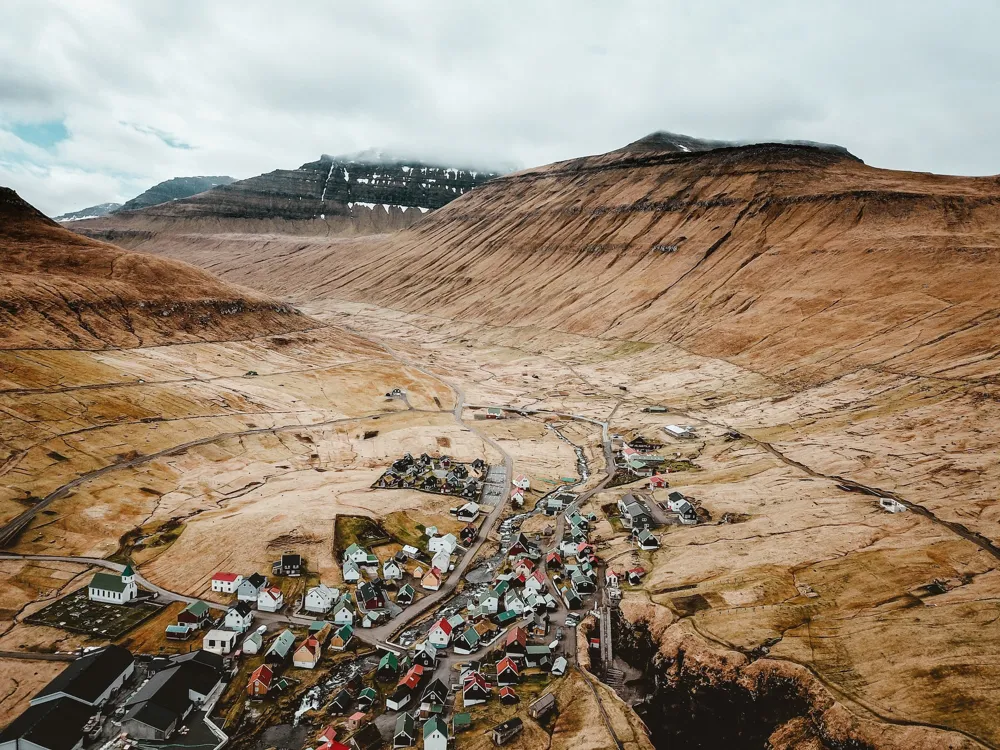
point(441, 475)
point(74, 708)
point(637, 518)
point(636, 458)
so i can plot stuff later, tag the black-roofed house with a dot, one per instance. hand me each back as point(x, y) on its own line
point(504, 733)
point(160, 706)
point(367, 738)
point(290, 564)
point(51, 725)
point(249, 588)
point(91, 679)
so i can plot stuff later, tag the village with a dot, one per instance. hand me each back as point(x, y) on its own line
point(429, 651)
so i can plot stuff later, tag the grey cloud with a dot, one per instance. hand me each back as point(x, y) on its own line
point(252, 86)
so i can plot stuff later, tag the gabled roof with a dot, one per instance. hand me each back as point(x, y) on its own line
point(256, 580)
point(281, 645)
point(240, 608)
point(405, 725)
point(412, 678)
point(198, 609)
point(444, 625)
point(505, 664)
point(263, 673)
point(107, 582)
point(345, 633)
point(227, 577)
point(435, 725)
point(88, 677)
point(310, 645)
point(517, 635)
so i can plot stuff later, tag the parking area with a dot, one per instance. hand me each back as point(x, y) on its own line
point(77, 614)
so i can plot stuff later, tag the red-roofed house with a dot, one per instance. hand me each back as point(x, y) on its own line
point(327, 736)
point(260, 681)
point(440, 633)
point(226, 583)
point(658, 481)
point(524, 566)
point(517, 642)
point(507, 672)
point(635, 575)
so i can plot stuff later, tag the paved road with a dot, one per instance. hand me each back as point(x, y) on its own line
point(165, 595)
point(414, 612)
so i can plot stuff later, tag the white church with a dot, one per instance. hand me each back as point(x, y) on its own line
point(113, 589)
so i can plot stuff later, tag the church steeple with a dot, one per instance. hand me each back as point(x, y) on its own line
point(128, 575)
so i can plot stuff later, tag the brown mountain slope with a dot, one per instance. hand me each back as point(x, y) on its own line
point(789, 260)
point(61, 290)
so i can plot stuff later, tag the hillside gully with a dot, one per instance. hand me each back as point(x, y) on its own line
point(688, 706)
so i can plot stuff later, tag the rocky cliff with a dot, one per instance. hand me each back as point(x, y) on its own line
point(174, 189)
point(358, 195)
point(61, 290)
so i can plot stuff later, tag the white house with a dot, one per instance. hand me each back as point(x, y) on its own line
point(253, 643)
point(352, 573)
point(391, 570)
point(321, 598)
point(679, 431)
point(356, 553)
point(343, 613)
point(435, 734)
point(536, 581)
point(446, 543)
point(468, 512)
point(270, 600)
point(220, 641)
point(430, 531)
point(239, 617)
point(440, 633)
point(249, 588)
point(611, 578)
point(113, 589)
point(513, 603)
point(226, 583)
point(522, 482)
point(441, 561)
point(410, 551)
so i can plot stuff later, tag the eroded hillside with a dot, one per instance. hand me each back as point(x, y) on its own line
point(61, 290)
point(831, 330)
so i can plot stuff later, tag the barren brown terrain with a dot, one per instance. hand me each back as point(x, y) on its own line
point(59, 290)
point(828, 329)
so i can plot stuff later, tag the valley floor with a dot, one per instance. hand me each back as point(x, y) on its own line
point(201, 457)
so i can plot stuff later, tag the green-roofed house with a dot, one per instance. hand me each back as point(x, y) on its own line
point(467, 642)
point(435, 734)
point(388, 667)
point(405, 734)
point(196, 613)
point(461, 722)
point(113, 588)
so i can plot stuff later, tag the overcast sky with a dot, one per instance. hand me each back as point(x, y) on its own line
point(100, 100)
